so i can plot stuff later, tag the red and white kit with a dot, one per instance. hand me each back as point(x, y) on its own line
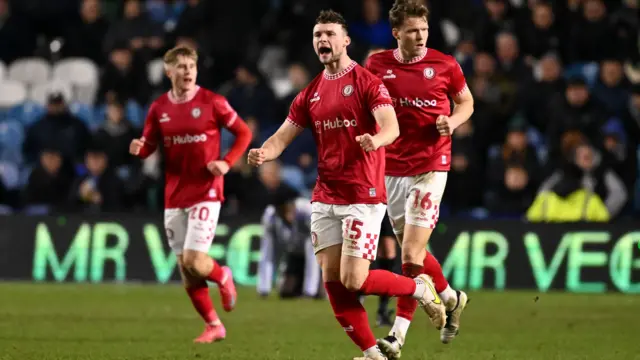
point(189, 132)
point(418, 161)
point(348, 201)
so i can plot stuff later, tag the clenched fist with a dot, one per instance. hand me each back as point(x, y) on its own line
point(136, 145)
point(443, 126)
point(256, 157)
point(368, 142)
point(218, 167)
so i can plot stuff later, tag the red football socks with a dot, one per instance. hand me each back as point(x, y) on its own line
point(216, 275)
point(432, 268)
point(407, 305)
point(200, 299)
point(383, 282)
point(350, 314)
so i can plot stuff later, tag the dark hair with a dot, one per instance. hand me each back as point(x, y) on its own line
point(284, 195)
point(331, 17)
point(404, 9)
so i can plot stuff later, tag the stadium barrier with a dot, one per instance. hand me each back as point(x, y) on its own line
point(494, 255)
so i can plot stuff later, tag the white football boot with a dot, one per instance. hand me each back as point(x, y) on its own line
point(430, 301)
point(451, 328)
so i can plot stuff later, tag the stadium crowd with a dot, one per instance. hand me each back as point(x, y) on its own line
point(556, 87)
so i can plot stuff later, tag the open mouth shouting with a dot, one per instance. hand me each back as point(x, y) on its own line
point(324, 50)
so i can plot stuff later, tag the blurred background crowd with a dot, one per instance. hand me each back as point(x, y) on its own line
point(556, 87)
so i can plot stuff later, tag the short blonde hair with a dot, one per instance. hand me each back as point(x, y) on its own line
point(171, 56)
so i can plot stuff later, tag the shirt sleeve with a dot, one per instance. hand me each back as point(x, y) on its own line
point(224, 112)
point(457, 82)
point(150, 133)
point(377, 95)
point(299, 112)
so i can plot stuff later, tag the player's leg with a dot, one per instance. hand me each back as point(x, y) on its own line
point(202, 222)
point(361, 227)
point(326, 238)
point(176, 224)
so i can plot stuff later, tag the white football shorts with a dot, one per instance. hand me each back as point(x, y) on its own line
point(356, 227)
point(415, 200)
point(192, 228)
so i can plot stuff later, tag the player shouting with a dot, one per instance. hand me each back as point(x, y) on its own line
point(420, 81)
point(343, 106)
point(187, 122)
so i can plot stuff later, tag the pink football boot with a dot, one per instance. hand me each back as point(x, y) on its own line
point(212, 333)
point(227, 289)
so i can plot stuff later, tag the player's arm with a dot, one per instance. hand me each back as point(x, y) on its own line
point(389, 130)
point(462, 99)
point(146, 145)
point(232, 122)
point(379, 101)
point(462, 109)
point(275, 145)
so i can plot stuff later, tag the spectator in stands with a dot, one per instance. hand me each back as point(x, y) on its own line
point(17, 38)
point(576, 110)
point(85, 36)
point(49, 182)
point(612, 89)
point(592, 36)
point(135, 29)
point(192, 18)
point(123, 79)
point(510, 61)
point(115, 135)
point(99, 190)
point(58, 129)
point(548, 86)
point(540, 35)
point(626, 23)
point(246, 189)
point(620, 151)
point(372, 30)
point(251, 95)
point(584, 174)
point(633, 107)
point(494, 20)
point(513, 175)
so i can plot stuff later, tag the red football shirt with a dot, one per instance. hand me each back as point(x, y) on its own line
point(420, 89)
point(190, 134)
point(338, 108)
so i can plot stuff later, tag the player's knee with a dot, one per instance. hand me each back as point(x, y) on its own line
point(353, 280)
point(195, 263)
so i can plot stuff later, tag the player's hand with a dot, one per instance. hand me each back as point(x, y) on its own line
point(368, 142)
point(136, 145)
point(443, 125)
point(256, 157)
point(218, 167)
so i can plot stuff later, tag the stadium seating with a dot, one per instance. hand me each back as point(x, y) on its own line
point(82, 75)
point(155, 72)
point(40, 92)
point(30, 71)
point(12, 93)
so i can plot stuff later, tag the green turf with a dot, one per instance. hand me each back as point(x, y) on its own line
point(39, 322)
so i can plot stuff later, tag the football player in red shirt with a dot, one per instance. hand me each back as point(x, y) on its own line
point(351, 116)
point(187, 122)
point(420, 81)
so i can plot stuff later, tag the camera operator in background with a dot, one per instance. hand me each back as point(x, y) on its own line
point(286, 242)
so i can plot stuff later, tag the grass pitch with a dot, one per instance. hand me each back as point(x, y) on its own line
point(108, 322)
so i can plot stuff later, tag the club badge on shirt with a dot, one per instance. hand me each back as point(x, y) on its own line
point(372, 192)
point(347, 90)
point(429, 73)
point(195, 112)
